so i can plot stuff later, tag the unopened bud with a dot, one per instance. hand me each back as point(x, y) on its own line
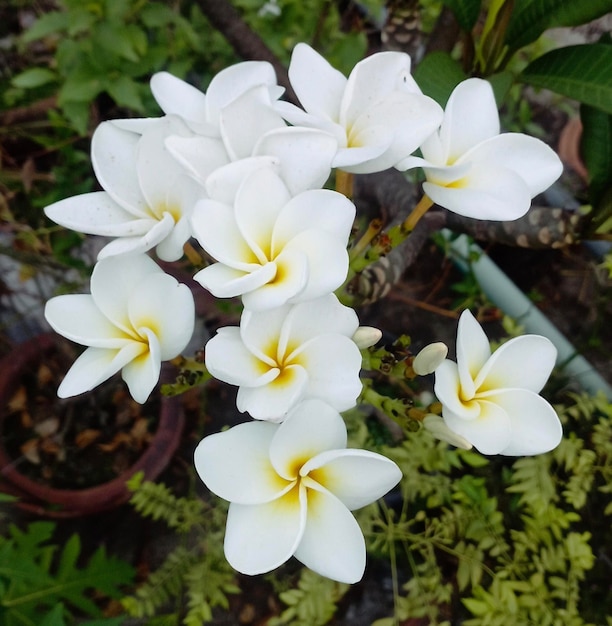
point(428, 359)
point(366, 336)
point(438, 428)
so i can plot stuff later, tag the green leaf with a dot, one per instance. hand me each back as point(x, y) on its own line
point(596, 150)
point(125, 92)
point(582, 72)
point(466, 12)
point(437, 75)
point(33, 77)
point(50, 23)
point(55, 617)
point(531, 18)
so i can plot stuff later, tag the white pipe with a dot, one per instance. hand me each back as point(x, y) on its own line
point(513, 302)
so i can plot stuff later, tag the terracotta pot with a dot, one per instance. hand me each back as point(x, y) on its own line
point(63, 503)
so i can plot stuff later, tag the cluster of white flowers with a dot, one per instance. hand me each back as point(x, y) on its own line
point(242, 172)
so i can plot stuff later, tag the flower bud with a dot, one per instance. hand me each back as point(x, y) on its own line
point(366, 336)
point(428, 359)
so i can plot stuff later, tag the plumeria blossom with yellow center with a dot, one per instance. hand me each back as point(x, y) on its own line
point(272, 248)
point(148, 197)
point(492, 400)
point(289, 353)
point(378, 115)
point(474, 171)
point(136, 317)
point(292, 487)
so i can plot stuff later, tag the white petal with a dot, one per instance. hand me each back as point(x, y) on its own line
point(316, 317)
point(171, 247)
point(402, 121)
point(438, 428)
point(300, 118)
point(304, 155)
point(199, 155)
point(372, 80)
point(235, 464)
point(484, 193)
point(175, 96)
point(522, 362)
point(473, 350)
point(318, 86)
point(333, 363)
point(142, 373)
point(113, 157)
point(226, 282)
point(166, 307)
point(327, 263)
point(260, 537)
point(489, 433)
point(291, 275)
point(373, 142)
point(139, 245)
point(233, 81)
point(223, 184)
point(96, 365)
point(77, 318)
point(261, 330)
point(158, 171)
point(531, 159)
point(470, 117)
point(536, 428)
point(114, 280)
point(97, 213)
point(320, 209)
point(258, 203)
point(272, 401)
point(246, 119)
point(309, 429)
point(228, 360)
point(447, 388)
point(214, 226)
point(332, 544)
point(356, 477)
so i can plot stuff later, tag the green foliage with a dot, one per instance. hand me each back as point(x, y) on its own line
point(195, 577)
point(312, 603)
point(437, 75)
point(112, 47)
point(466, 12)
point(580, 72)
point(512, 542)
point(530, 18)
point(41, 583)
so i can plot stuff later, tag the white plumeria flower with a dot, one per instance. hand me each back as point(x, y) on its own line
point(236, 120)
point(272, 248)
point(474, 171)
point(491, 400)
point(148, 198)
point(291, 488)
point(136, 317)
point(202, 112)
point(378, 115)
point(290, 353)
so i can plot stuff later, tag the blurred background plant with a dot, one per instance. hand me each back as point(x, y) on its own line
point(466, 539)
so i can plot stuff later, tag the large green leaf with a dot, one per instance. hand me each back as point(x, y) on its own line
point(466, 11)
point(531, 18)
point(437, 75)
point(583, 73)
point(596, 149)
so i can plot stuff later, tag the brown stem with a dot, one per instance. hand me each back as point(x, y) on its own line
point(35, 111)
point(245, 42)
